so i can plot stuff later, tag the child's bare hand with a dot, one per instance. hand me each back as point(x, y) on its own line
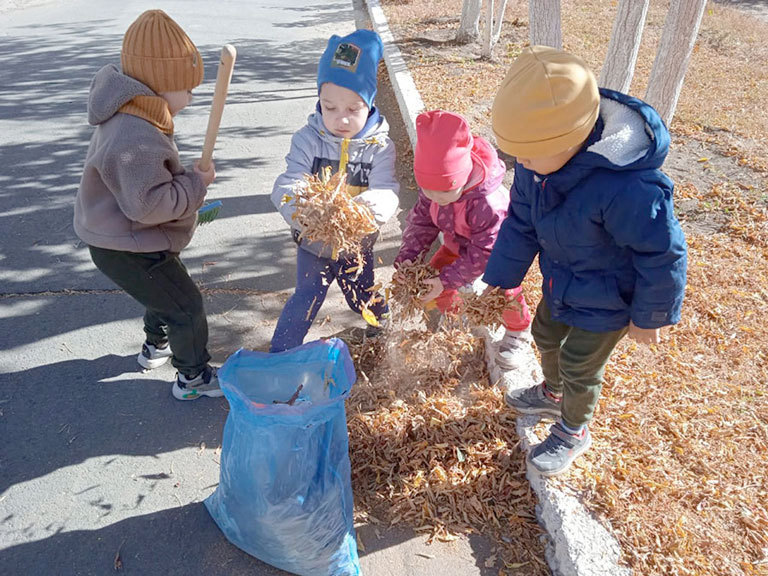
point(643, 335)
point(208, 176)
point(435, 289)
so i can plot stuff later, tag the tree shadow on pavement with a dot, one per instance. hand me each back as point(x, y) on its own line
point(64, 413)
point(178, 541)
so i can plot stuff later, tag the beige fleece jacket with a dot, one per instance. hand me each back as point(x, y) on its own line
point(134, 196)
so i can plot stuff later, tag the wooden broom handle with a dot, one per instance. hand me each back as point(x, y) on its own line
point(224, 75)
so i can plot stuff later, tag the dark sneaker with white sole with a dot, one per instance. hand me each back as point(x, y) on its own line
point(152, 356)
point(204, 384)
point(556, 454)
point(534, 400)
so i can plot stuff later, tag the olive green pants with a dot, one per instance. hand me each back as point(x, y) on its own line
point(573, 362)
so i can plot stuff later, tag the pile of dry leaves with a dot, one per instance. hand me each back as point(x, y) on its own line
point(433, 445)
point(681, 433)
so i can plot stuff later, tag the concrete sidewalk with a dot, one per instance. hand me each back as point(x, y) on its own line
point(97, 457)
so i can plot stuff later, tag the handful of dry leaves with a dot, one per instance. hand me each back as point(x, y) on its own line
point(326, 213)
point(486, 309)
point(408, 287)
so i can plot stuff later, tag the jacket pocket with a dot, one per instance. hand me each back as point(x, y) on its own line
point(595, 292)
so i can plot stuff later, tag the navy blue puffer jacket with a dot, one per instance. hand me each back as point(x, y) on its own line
point(610, 247)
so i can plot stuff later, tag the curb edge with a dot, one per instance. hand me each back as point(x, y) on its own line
point(578, 545)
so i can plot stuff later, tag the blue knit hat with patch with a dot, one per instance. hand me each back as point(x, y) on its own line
point(352, 61)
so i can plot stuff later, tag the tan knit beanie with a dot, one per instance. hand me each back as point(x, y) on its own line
point(547, 103)
point(158, 53)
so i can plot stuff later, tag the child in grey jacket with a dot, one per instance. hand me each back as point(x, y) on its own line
point(347, 133)
point(136, 208)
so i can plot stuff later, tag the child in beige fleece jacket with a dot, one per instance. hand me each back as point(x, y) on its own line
point(136, 208)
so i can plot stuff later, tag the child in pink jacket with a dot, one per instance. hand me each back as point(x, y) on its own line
point(462, 196)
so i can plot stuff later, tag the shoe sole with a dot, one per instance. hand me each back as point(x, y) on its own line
point(532, 409)
point(184, 394)
point(564, 468)
point(150, 364)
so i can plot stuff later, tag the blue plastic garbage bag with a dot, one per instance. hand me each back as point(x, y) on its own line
point(285, 491)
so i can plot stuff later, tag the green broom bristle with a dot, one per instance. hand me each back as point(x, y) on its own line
point(209, 212)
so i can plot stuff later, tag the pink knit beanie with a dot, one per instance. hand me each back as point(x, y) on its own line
point(443, 156)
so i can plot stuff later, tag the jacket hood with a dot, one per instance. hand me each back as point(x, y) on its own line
point(110, 90)
point(629, 135)
point(485, 158)
point(376, 125)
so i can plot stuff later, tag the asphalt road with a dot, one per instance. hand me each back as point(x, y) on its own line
point(97, 458)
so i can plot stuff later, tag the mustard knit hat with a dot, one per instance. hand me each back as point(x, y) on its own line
point(547, 103)
point(158, 53)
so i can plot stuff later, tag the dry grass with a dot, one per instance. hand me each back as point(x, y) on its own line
point(681, 433)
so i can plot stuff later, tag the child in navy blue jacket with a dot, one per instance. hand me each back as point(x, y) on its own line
point(590, 200)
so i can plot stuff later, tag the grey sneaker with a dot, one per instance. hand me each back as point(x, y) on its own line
point(556, 454)
point(204, 384)
point(533, 400)
point(152, 357)
point(513, 350)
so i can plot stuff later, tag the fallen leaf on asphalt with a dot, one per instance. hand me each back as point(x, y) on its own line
point(118, 559)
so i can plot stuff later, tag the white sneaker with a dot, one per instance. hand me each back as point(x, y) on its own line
point(513, 350)
point(204, 384)
point(152, 357)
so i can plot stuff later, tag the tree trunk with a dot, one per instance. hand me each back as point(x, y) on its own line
point(494, 17)
point(619, 64)
point(488, 30)
point(680, 30)
point(544, 23)
point(502, 5)
point(469, 25)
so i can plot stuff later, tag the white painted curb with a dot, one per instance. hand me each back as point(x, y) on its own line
point(408, 96)
point(578, 545)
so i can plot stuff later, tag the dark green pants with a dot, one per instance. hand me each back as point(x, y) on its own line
point(573, 362)
point(174, 306)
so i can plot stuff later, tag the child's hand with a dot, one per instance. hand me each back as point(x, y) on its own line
point(643, 335)
point(436, 288)
point(209, 176)
point(397, 276)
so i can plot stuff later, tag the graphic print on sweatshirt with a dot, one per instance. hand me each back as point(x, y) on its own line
point(357, 173)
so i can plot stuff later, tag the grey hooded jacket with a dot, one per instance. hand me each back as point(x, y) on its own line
point(134, 196)
point(371, 174)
